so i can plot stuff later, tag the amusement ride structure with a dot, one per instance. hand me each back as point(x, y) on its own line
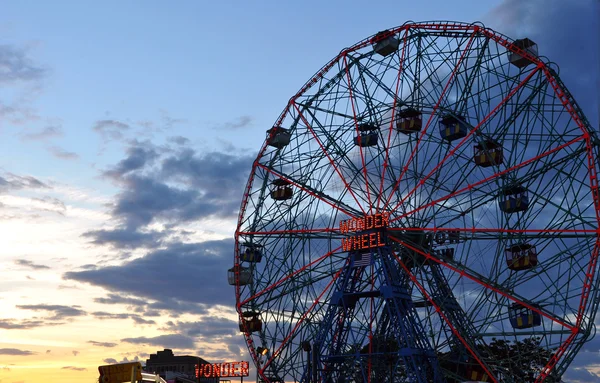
point(428, 198)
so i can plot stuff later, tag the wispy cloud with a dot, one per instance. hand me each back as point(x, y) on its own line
point(15, 351)
point(60, 312)
point(31, 265)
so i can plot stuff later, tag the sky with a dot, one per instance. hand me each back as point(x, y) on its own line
point(127, 132)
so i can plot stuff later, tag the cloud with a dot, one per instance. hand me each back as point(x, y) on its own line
point(179, 140)
point(210, 327)
point(185, 263)
point(59, 311)
point(102, 344)
point(31, 265)
point(112, 299)
point(75, 352)
point(139, 155)
point(240, 122)
point(110, 361)
point(573, 46)
point(110, 129)
point(12, 181)
point(44, 134)
point(73, 368)
point(106, 315)
point(124, 238)
point(15, 66)
point(164, 341)
point(14, 324)
point(15, 351)
point(139, 320)
point(62, 153)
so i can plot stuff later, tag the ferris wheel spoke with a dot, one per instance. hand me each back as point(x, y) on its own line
point(471, 132)
point(336, 169)
point(495, 176)
point(354, 112)
point(299, 271)
point(335, 204)
point(456, 329)
point(488, 284)
point(303, 317)
point(392, 121)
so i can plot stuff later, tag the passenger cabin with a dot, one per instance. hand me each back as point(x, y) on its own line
point(252, 253)
point(476, 373)
point(281, 190)
point(409, 121)
point(239, 276)
point(514, 199)
point(384, 43)
point(523, 317)
point(278, 137)
point(367, 134)
point(521, 256)
point(250, 322)
point(453, 127)
point(525, 45)
point(488, 153)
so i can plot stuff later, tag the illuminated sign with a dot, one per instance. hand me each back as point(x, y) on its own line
point(227, 370)
point(369, 232)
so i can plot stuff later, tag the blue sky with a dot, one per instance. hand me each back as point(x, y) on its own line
point(127, 130)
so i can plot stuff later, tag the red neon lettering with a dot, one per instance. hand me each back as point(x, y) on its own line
point(364, 244)
point(368, 222)
point(385, 219)
point(344, 228)
point(216, 370)
point(373, 240)
point(244, 369)
point(234, 369)
point(346, 244)
point(206, 370)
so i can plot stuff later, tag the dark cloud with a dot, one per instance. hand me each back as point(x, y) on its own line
point(170, 276)
point(62, 153)
point(165, 341)
point(15, 351)
point(102, 344)
point(60, 312)
point(15, 66)
point(14, 324)
point(211, 327)
point(581, 375)
point(44, 134)
point(31, 265)
point(179, 140)
point(113, 299)
point(138, 156)
point(106, 315)
point(73, 368)
point(10, 181)
point(566, 33)
point(240, 122)
point(110, 361)
point(124, 238)
point(139, 320)
point(75, 352)
point(110, 129)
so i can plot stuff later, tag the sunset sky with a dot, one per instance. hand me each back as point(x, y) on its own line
point(127, 132)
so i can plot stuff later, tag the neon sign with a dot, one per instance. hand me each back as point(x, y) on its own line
point(227, 370)
point(369, 232)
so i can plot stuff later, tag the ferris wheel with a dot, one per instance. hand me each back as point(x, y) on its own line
point(429, 197)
